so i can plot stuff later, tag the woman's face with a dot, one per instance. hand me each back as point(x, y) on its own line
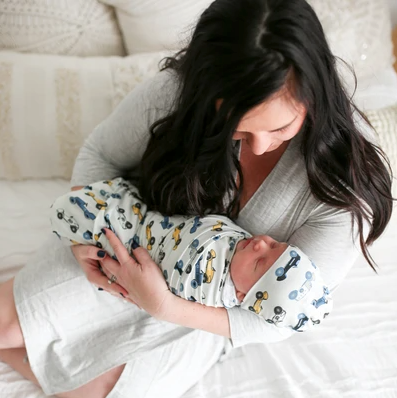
point(270, 124)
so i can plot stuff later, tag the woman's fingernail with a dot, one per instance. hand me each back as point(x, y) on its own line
point(122, 295)
point(103, 231)
point(100, 289)
point(101, 253)
point(134, 245)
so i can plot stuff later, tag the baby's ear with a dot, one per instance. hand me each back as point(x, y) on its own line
point(240, 296)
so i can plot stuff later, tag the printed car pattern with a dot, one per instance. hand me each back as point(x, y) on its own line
point(293, 262)
point(75, 200)
point(260, 296)
point(177, 235)
point(68, 219)
point(100, 204)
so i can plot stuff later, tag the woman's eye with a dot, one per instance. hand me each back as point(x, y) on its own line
point(281, 130)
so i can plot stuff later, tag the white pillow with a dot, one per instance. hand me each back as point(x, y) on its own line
point(384, 122)
point(359, 32)
point(50, 103)
point(156, 25)
point(377, 91)
point(69, 27)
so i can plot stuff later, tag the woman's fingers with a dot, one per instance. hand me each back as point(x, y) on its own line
point(119, 249)
point(142, 256)
point(102, 281)
point(88, 257)
point(83, 252)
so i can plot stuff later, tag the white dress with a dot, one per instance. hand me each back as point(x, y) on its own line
point(74, 333)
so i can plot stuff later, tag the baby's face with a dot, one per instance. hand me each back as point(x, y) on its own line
point(251, 260)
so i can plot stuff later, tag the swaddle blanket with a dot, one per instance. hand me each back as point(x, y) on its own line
point(194, 253)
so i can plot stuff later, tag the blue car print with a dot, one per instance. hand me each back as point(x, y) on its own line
point(75, 200)
point(293, 262)
point(322, 300)
point(87, 235)
point(166, 224)
point(303, 319)
point(232, 243)
point(193, 248)
point(196, 223)
point(304, 289)
point(110, 226)
point(108, 195)
point(179, 267)
point(135, 239)
point(199, 275)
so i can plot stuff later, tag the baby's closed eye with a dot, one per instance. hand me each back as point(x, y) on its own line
point(261, 261)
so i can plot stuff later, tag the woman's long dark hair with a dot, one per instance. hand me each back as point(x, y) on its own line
point(244, 51)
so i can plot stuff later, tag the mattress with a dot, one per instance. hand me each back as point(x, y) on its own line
point(353, 354)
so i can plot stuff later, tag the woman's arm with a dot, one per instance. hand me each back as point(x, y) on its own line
point(196, 316)
point(117, 144)
point(327, 238)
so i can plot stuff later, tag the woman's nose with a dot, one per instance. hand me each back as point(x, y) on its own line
point(259, 143)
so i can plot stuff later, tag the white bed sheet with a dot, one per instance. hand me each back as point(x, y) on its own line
point(354, 354)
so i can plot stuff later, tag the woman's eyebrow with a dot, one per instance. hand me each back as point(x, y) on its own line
point(284, 127)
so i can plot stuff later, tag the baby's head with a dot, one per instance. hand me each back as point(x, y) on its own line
point(252, 259)
point(279, 282)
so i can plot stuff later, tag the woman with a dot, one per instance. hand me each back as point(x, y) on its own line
point(251, 120)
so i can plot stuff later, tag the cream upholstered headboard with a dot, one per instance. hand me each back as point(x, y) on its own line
point(395, 47)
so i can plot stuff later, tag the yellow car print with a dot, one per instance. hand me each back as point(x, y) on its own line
point(110, 183)
point(136, 208)
point(150, 239)
point(100, 204)
point(209, 270)
point(218, 226)
point(96, 238)
point(177, 235)
point(260, 296)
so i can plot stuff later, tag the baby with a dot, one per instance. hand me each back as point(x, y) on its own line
point(210, 260)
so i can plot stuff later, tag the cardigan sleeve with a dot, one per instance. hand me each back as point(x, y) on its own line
point(117, 144)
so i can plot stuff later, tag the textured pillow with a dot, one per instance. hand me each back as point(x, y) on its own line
point(377, 91)
point(358, 31)
point(69, 27)
point(50, 103)
point(385, 123)
point(155, 25)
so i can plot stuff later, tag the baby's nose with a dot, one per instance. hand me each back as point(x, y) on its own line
point(268, 239)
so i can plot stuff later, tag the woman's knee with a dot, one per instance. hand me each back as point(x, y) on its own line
point(10, 329)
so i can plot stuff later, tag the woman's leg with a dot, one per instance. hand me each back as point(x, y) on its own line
point(12, 351)
point(97, 388)
point(10, 329)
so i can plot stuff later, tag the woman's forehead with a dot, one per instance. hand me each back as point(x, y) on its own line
point(274, 113)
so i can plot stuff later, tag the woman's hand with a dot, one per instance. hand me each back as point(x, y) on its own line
point(141, 278)
point(89, 260)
